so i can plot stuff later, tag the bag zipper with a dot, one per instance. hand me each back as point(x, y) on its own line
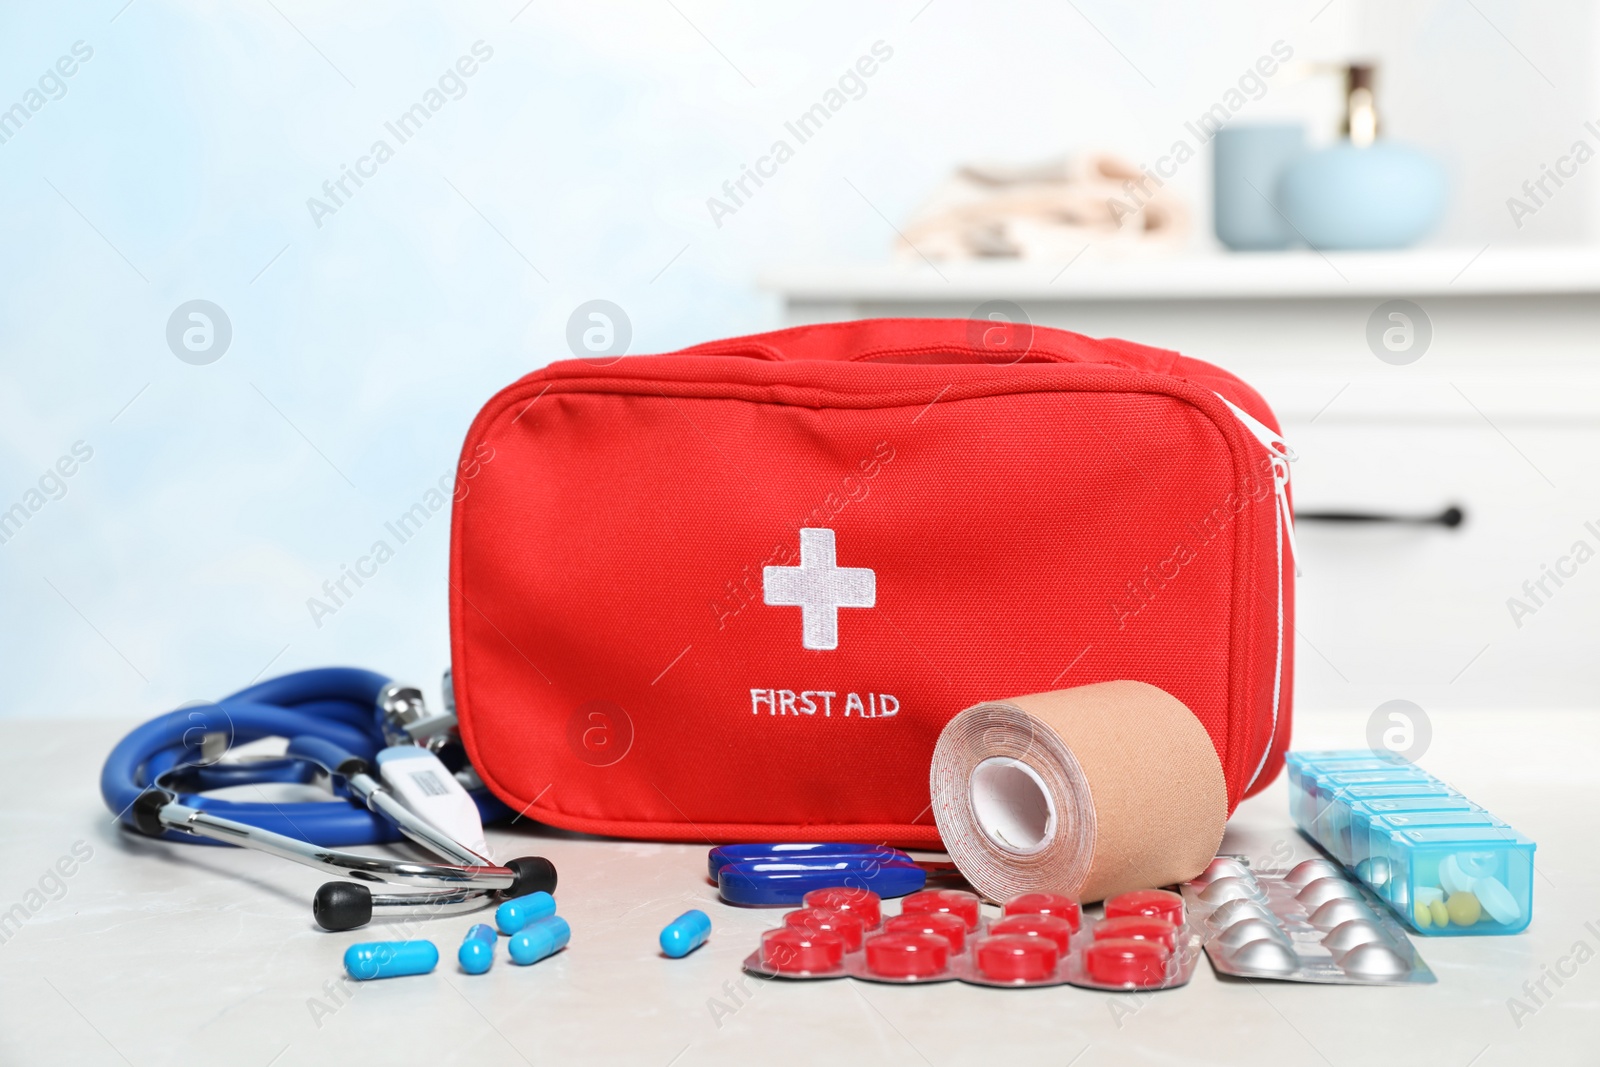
point(1281, 456)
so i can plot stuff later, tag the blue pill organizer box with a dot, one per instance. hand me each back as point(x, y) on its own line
point(1443, 864)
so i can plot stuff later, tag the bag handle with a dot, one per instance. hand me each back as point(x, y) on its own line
point(934, 341)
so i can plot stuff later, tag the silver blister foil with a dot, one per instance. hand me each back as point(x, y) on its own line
point(1311, 923)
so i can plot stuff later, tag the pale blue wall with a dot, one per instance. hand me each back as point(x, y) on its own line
point(178, 162)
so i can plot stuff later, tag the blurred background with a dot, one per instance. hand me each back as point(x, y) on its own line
point(240, 337)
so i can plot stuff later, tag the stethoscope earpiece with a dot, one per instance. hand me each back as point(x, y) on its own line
point(342, 905)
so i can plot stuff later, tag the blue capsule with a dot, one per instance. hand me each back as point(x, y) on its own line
point(389, 959)
point(518, 912)
point(476, 954)
point(539, 939)
point(686, 933)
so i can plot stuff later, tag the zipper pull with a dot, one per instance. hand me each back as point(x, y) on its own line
point(1281, 456)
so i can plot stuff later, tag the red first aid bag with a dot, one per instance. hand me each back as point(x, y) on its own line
point(735, 592)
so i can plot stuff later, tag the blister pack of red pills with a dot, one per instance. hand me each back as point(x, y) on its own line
point(1142, 943)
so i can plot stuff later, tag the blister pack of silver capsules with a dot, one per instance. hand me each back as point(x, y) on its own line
point(1312, 924)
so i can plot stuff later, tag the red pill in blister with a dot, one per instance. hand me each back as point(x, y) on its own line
point(955, 902)
point(937, 923)
point(1157, 902)
point(1055, 904)
point(1138, 927)
point(788, 950)
point(1017, 958)
point(864, 904)
point(1057, 931)
point(900, 955)
point(1125, 961)
point(845, 926)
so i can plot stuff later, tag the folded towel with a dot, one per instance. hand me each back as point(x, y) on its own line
point(1047, 211)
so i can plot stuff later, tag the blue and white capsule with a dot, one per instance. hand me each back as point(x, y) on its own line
point(518, 912)
point(686, 933)
point(539, 939)
point(476, 954)
point(390, 959)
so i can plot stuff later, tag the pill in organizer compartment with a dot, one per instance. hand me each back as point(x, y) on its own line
point(1442, 864)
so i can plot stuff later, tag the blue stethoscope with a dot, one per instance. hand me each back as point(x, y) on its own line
point(336, 719)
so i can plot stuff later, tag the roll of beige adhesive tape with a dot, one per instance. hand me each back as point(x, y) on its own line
point(1089, 792)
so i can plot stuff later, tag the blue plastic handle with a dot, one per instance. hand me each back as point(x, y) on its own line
point(785, 883)
point(769, 852)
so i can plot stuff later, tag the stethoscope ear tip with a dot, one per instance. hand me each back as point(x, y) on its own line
point(535, 874)
point(342, 906)
point(145, 812)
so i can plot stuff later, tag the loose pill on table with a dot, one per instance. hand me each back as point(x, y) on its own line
point(390, 959)
point(518, 912)
point(1437, 912)
point(476, 954)
point(686, 933)
point(539, 939)
point(1463, 908)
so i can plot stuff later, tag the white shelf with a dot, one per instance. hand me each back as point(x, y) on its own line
point(1449, 272)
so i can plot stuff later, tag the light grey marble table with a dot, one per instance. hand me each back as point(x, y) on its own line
point(155, 954)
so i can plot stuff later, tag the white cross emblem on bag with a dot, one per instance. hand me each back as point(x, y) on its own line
point(819, 589)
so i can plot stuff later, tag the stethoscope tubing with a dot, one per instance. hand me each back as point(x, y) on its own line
point(331, 718)
point(324, 703)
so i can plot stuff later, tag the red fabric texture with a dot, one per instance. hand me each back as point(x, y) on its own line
point(1086, 512)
